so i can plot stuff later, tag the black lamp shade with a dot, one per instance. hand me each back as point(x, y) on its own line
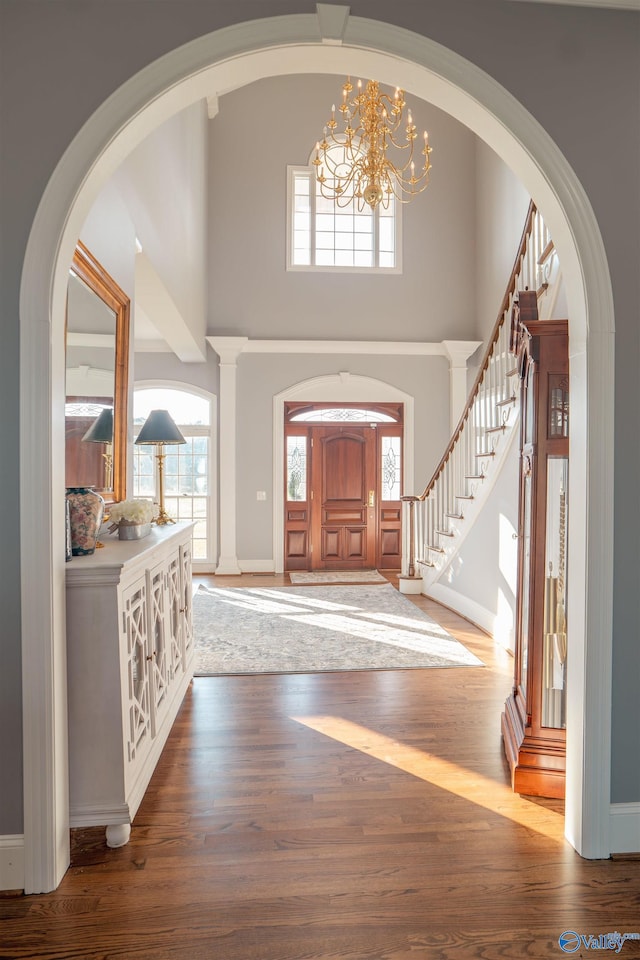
point(101, 430)
point(159, 428)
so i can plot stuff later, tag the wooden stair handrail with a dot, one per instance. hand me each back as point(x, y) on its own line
point(511, 286)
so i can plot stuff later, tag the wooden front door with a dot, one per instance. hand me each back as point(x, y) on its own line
point(343, 483)
point(343, 508)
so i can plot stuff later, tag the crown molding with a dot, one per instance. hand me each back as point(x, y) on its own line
point(601, 4)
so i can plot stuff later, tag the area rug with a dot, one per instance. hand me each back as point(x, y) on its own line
point(336, 576)
point(248, 630)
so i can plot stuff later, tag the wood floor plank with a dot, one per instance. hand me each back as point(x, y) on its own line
point(363, 816)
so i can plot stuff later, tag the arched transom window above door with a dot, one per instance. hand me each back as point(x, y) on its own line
point(343, 413)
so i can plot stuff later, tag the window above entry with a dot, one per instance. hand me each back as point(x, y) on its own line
point(341, 415)
point(324, 237)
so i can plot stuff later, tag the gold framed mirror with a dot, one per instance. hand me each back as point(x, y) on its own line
point(97, 368)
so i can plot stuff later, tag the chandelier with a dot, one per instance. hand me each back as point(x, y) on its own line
point(353, 166)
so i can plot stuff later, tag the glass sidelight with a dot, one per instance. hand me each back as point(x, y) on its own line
point(297, 468)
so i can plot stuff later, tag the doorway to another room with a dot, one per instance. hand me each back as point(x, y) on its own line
point(343, 484)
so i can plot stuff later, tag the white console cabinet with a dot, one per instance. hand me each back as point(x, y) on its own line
point(130, 658)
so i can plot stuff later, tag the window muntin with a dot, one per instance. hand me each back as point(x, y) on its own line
point(323, 236)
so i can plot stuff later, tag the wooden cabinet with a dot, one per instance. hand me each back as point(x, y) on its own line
point(130, 660)
point(534, 719)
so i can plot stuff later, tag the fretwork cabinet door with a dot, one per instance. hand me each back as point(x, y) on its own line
point(137, 699)
point(159, 643)
point(173, 574)
point(184, 584)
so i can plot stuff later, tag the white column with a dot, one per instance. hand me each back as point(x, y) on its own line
point(458, 352)
point(228, 349)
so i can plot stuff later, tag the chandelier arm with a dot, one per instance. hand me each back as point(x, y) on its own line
point(343, 181)
point(373, 122)
point(399, 145)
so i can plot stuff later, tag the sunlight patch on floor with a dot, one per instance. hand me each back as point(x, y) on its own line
point(460, 781)
point(428, 641)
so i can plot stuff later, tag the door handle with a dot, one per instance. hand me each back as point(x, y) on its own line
point(372, 498)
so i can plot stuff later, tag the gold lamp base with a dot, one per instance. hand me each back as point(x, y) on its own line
point(162, 518)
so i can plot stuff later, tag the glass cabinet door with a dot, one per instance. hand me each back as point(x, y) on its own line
point(525, 608)
point(555, 620)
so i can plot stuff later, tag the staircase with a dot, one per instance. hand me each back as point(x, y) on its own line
point(435, 523)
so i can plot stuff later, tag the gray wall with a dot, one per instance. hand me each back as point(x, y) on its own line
point(501, 208)
point(166, 366)
point(261, 377)
point(250, 291)
point(576, 70)
point(164, 183)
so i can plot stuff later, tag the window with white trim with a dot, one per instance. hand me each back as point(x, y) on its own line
point(187, 467)
point(323, 236)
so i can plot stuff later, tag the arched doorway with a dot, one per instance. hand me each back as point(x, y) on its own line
point(235, 56)
point(334, 388)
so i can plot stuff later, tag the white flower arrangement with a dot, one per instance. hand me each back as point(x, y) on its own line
point(133, 511)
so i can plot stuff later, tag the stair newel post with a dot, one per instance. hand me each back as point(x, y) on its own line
point(409, 581)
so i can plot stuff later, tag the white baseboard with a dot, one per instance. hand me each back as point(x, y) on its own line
point(12, 862)
point(469, 609)
point(257, 566)
point(203, 566)
point(625, 828)
point(98, 815)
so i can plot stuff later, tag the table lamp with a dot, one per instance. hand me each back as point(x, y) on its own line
point(101, 431)
point(160, 429)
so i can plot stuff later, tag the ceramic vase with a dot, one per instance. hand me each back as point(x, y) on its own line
point(67, 531)
point(86, 509)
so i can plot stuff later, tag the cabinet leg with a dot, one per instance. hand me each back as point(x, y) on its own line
point(118, 834)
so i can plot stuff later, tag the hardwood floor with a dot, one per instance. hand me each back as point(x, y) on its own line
point(339, 816)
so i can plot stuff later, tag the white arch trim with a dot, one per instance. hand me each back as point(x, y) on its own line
point(211, 64)
point(333, 388)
